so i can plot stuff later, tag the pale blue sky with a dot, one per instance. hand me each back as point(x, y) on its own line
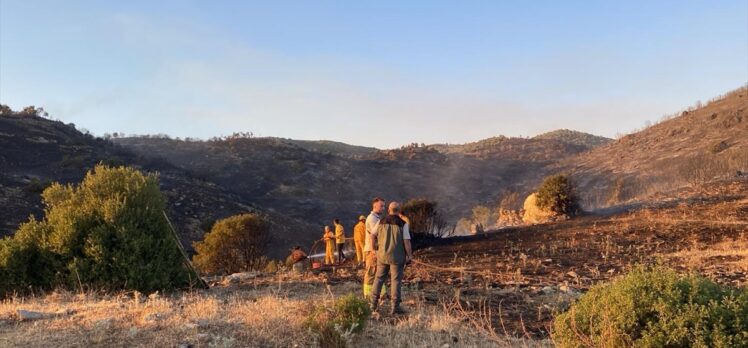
point(442, 71)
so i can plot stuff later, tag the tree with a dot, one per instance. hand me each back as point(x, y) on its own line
point(425, 219)
point(557, 194)
point(234, 244)
point(109, 232)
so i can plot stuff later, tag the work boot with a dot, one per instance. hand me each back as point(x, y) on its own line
point(396, 310)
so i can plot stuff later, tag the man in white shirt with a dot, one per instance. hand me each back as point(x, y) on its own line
point(372, 221)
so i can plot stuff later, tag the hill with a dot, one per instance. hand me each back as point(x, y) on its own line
point(37, 151)
point(551, 146)
point(333, 147)
point(701, 143)
point(317, 184)
point(586, 140)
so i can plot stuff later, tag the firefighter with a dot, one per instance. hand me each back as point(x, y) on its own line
point(295, 260)
point(339, 240)
point(329, 239)
point(359, 235)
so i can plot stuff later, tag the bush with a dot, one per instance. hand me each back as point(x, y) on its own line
point(108, 232)
point(333, 326)
point(557, 194)
point(234, 244)
point(24, 264)
point(656, 307)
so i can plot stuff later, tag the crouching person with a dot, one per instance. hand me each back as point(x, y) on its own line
point(296, 260)
point(391, 241)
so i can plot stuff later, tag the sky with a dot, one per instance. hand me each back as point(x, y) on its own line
point(374, 73)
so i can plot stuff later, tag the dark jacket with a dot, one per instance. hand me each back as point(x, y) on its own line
point(390, 242)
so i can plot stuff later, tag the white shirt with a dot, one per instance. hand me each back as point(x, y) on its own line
point(372, 223)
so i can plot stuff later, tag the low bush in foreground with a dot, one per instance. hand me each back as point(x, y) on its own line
point(656, 307)
point(333, 325)
point(108, 232)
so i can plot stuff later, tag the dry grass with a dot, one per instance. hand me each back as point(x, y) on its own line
point(246, 315)
point(728, 255)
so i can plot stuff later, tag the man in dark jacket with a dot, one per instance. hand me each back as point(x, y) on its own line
point(391, 241)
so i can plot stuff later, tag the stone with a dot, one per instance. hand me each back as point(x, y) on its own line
point(533, 213)
point(25, 315)
point(239, 277)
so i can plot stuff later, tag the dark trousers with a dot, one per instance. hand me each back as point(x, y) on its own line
point(339, 248)
point(395, 272)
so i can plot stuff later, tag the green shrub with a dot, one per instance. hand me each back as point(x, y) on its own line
point(557, 195)
point(108, 232)
point(24, 263)
point(234, 244)
point(656, 307)
point(333, 325)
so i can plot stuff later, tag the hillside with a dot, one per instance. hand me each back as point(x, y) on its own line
point(305, 182)
point(37, 151)
point(700, 144)
point(586, 140)
point(333, 147)
point(551, 146)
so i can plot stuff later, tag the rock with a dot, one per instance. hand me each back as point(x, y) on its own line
point(202, 336)
point(548, 290)
point(239, 277)
point(185, 345)
point(572, 274)
point(533, 213)
point(190, 326)
point(24, 315)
